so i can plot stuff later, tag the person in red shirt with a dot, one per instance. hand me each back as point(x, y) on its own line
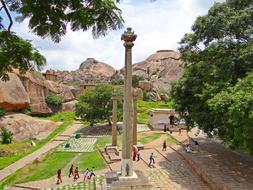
point(76, 174)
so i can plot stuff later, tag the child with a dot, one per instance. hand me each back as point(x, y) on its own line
point(164, 145)
point(86, 174)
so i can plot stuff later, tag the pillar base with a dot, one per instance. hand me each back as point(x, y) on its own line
point(114, 181)
point(126, 167)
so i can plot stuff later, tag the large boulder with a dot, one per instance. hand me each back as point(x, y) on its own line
point(138, 93)
point(37, 88)
point(145, 85)
point(69, 106)
point(37, 92)
point(60, 89)
point(25, 127)
point(13, 96)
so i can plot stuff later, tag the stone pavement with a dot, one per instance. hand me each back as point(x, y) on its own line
point(38, 153)
point(170, 172)
point(220, 167)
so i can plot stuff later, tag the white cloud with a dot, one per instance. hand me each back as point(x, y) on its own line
point(159, 25)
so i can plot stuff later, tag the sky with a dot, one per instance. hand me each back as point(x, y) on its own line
point(158, 25)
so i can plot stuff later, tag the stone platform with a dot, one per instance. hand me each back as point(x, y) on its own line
point(138, 181)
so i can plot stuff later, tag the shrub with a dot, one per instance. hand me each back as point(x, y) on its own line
point(2, 112)
point(6, 136)
point(26, 111)
point(54, 100)
point(117, 82)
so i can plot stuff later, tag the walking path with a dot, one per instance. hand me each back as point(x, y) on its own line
point(38, 153)
point(220, 167)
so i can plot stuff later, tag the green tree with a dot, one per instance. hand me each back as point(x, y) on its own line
point(135, 80)
point(117, 82)
point(95, 104)
point(49, 18)
point(217, 53)
point(54, 100)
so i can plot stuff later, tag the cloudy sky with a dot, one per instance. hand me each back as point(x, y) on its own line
point(159, 25)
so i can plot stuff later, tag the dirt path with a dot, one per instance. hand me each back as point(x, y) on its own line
point(38, 153)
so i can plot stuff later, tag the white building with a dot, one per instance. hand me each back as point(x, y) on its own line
point(161, 117)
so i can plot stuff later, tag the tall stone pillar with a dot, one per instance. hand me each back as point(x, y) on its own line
point(114, 121)
point(127, 165)
point(135, 119)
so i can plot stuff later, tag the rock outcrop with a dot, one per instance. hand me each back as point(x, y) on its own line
point(13, 96)
point(160, 69)
point(69, 106)
point(30, 90)
point(90, 71)
point(26, 127)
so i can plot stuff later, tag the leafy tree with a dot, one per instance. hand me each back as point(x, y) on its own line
point(6, 136)
point(49, 18)
point(54, 100)
point(233, 109)
point(95, 104)
point(135, 80)
point(117, 82)
point(217, 53)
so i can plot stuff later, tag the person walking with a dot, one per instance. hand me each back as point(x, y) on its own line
point(76, 174)
point(138, 155)
point(71, 170)
point(86, 174)
point(92, 174)
point(134, 155)
point(164, 145)
point(59, 180)
point(151, 159)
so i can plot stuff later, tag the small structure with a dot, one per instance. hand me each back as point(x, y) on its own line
point(161, 117)
point(50, 75)
point(85, 86)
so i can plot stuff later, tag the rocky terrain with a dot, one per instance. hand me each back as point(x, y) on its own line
point(90, 71)
point(30, 90)
point(26, 127)
point(159, 69)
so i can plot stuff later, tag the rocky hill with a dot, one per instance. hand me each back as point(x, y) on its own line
point(90, 71)
point(160, 69)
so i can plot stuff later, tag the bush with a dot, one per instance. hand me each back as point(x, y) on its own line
point(26, 111)
point(117, 82)
point(6, 136)
point(54, 100)
point(2, 112)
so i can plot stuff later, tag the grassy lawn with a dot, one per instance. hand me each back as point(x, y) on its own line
point(21, 149)
point(54, 160)
point(144, 108)
point(147, 138)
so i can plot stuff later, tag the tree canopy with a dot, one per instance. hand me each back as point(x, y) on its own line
point(49, 19)
point(95, 104)
point(218, 54)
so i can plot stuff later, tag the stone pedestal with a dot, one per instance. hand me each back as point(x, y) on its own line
point(114, 181)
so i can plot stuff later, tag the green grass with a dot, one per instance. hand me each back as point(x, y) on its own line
point(89, 160)
point(171, 140)
point(147, 138)
point(55, 160)
point(66, 117)
point(144, 108)
point(40, 170)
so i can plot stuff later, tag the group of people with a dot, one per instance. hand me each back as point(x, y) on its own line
point(73, 171)
point(137, 156)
